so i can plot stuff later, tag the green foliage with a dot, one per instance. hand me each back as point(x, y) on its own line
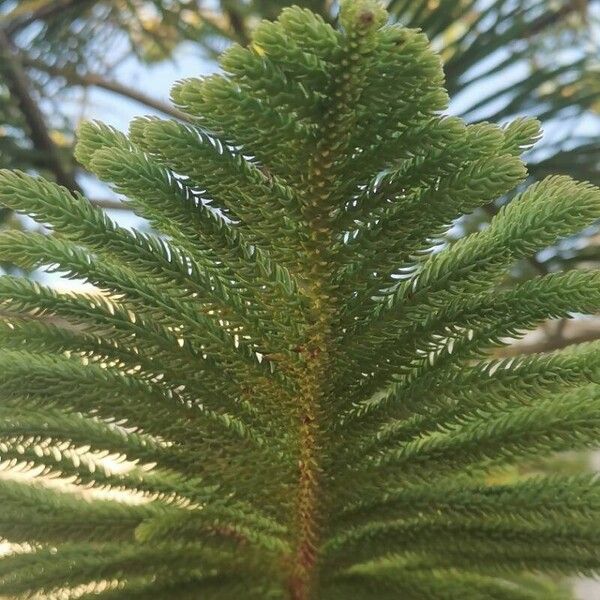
point(285, 392)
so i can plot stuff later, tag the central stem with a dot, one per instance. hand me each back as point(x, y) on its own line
point(304, 561)
point(323, 194)
point(320, 201)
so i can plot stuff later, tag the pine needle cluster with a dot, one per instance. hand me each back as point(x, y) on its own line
point(286, 391)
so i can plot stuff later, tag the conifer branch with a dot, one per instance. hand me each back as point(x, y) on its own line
point(296, 384)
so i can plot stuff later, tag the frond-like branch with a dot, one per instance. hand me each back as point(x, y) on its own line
point(285, 389)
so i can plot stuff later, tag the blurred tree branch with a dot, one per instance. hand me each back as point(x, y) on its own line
point(236, 22)
point(19, 86)
point(109, 204)
point(44, 12)
point(554, 335)
point(95, 80)
point(552, 18)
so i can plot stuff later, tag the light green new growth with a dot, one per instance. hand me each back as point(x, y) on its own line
point(286, 386)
